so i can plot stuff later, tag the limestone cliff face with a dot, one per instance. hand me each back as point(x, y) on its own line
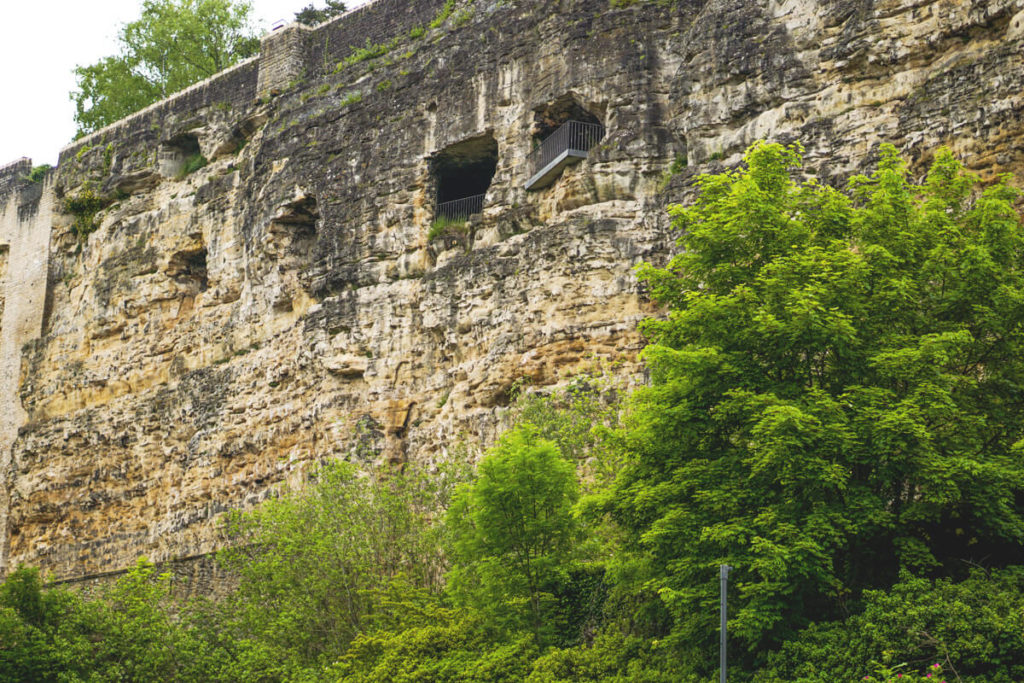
point(222, 330)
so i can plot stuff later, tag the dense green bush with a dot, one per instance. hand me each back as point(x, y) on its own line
point(974, 629)
point(311, 565)
point(514, 536)
point(37, 173)
point(192, 164)
point(85, 207)
point(125, 634)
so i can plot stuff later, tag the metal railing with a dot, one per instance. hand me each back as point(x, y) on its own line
point(575, 136)
point(459, 209)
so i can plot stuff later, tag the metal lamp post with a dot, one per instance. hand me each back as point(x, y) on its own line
point(723, 575)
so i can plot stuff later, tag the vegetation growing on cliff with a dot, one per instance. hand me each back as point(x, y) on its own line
point(37, 173)
point(85, 206)
point(172, 45)
point(834, 410)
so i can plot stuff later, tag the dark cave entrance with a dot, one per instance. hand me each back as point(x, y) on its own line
point(462, 173)
point(563, 133)
point(550, 117)
point(176, 153)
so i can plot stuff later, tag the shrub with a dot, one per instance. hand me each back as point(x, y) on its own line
point(85, 206)
point(445, 226)
point(976, 626)
point(37, 173)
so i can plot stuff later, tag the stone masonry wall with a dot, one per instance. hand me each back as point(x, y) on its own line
point(222, 333)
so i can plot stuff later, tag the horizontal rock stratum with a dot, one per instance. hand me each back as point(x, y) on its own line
point(181, 339)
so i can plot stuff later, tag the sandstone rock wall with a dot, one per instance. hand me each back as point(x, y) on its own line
point(221, 332)
point(25, 218)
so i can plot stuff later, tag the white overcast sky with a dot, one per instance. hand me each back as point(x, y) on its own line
point(41, 42)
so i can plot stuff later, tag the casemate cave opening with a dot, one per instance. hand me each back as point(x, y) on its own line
point(462, 173)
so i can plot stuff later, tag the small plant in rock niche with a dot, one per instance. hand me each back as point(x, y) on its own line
point(84, 206)
point(443, 14)
point(108, 158)
point(675, 168)
point(192, 164)
point(463, 17)
point(351, 98)
point(369, 51)
point(446, 226)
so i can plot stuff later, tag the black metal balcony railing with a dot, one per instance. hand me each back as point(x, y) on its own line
point(571, 142)
point(459, 209)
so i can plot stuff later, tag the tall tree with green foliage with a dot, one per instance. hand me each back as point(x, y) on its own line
point(174, 44)
point(837, 395)
point(514, 534)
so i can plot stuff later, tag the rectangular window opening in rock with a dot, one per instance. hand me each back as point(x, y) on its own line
point(462, 173)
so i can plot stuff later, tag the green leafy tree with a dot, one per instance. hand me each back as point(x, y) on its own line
point(310, 15)
point(312, 565)
point(174, 44)
point(124, 633)
point(26, 653)
point(514, 534)
point(837, 393)
point(127, 633)
point(974, 629)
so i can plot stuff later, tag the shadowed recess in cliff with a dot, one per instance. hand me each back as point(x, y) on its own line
point(176, 154)
point(188, 267)
point(462, 173)
point(291, 237)
point(5, 251)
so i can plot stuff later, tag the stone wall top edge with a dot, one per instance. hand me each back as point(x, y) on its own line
point(378, 21)
point(160, 104)
point(352, 12)
point(15, 166)
point(331, 25)
point(11, 175)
